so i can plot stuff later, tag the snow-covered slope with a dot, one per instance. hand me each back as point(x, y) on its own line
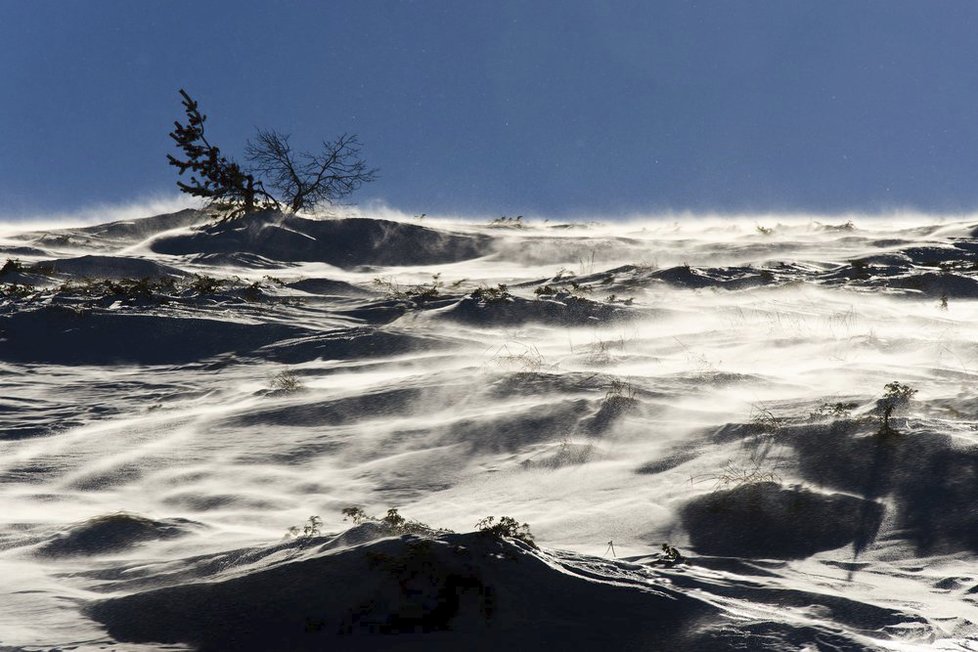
point(175, 396)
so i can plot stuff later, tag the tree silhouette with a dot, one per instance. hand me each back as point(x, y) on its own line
point(214, 177)
point(307, 180)
point(302, 180)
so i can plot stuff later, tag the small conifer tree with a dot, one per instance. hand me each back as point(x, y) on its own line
point(214, 177)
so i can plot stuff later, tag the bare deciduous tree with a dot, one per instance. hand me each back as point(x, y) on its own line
point(304, 180)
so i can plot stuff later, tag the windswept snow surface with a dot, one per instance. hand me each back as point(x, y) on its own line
point(175, 396)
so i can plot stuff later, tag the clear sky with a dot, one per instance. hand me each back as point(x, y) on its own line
point(567, 108)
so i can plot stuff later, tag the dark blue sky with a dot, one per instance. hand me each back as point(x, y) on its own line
point(506, 107)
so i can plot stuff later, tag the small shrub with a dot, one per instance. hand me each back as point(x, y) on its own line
point(527, 361)
point(388, 286)
point(732, 476)
point(420, 292)
point(429, 291)
point(393, 521)
point(764, 420)
point(506, 528)
point(309, 530)
point(205, 284)
point(488, 294)
point(286, 381)
point(671, 555)
point(252, 292)
point(355, 514)
point(834, 411)
point(507, 222)
point(896, 396)
point(564, 290)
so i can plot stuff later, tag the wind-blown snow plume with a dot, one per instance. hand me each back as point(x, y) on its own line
point(175, 396)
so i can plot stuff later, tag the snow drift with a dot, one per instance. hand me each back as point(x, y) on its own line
point(178, 397)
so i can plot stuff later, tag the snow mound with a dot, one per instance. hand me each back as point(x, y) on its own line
point(110, 267)
point(120, 233)
point(345, 243)
point(62, 335)
point(766, 520)
point(112, 533)
point(328, 287)
point(468, 591)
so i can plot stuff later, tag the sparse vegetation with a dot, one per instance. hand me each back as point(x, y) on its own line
point(529, 360)
point(392, 521)
point(286, 381)
point(835, 411)
point(91, 292)
point(311, 528)
point(488, 294)
point(421, 292)
point(599, 352)
point(355, 514)
point(203, 284)
point(764, 420)
point(507, 222)
point(671, 555)
point(732, 475)
point(253, 292)
point(560, 289)
point(506, 528)
point(567, 454)
point(896, 396)
point(125, 288)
